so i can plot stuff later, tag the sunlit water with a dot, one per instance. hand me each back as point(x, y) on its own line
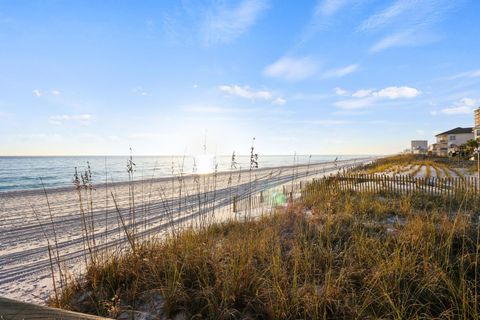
point(24, 173)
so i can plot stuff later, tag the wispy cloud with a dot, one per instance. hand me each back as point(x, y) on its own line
point(388, 92)
point(83, 119)
point(364, 98)
point(340, 91)
point(246, 92)
point(394, 40)
point(323, 16)
point(467, 74)
point(292, 69)
point(404, 39)
point(463, 106)
point(40, 93)
point(223, 24)
point(340, 72)
point(325, 8)
point(407, 13)
point(388, 15)
point(310, 96)
point(407, 23)
point(362, 93)
point(139, 90)
point(279, 101)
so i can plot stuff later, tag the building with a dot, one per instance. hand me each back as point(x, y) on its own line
point(448, 141)
point(419, 146)
point(476, 129)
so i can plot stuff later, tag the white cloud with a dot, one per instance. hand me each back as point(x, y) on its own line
point(279, 101)
point(389, 92)
point(463, 106)
point(398, 92)
point(247, 93)
point(291, 69)
point(340, 91)
point(362, 93)
point(223, 24)
point(40, 93)
point(83, 119)
point(340, 72)
point(367, 97)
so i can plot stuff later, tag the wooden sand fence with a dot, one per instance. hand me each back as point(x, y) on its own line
point(450, 187)
point(269, 198)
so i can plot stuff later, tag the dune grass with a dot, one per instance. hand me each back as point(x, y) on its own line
point(336, 255)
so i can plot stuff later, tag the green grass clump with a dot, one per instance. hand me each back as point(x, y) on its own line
point(359, 256)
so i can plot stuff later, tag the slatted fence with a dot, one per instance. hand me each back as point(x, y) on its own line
point(447, 186)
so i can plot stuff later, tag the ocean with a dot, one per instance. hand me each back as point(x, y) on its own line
point(27, 173)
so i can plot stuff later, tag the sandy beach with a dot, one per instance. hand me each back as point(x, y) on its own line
point(25, 220)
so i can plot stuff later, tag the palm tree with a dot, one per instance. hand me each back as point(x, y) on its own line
point(470, 146)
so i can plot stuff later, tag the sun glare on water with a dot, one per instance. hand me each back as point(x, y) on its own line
point(205, 163)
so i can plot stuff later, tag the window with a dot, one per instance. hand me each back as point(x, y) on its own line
point(452, 138)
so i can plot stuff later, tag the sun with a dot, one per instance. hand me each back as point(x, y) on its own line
point(205, 163)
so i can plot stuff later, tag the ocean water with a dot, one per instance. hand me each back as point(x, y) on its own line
point(26, 173)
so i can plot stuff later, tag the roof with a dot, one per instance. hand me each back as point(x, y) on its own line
point(457, 130)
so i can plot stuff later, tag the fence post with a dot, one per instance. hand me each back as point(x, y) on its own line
point(235, 204)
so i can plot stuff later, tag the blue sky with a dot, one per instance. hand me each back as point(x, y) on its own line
point(312, 77)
